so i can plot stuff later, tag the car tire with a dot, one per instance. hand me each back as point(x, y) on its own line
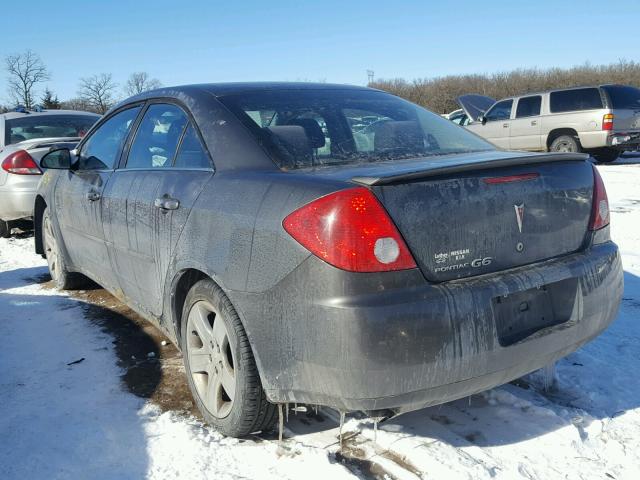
point(605, 155)
point(58, 269)
point(5, 229)
point(220, 366)
point(566, 143)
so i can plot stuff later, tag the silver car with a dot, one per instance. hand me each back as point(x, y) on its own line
point(602, 120)
point(25, 137)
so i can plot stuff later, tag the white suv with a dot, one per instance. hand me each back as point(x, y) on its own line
point(602, 120)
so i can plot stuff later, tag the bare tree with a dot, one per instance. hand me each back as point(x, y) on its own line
point(439, 94)
point(77, 104)
point(139, 82)
point(25, 71)
point(97, 91)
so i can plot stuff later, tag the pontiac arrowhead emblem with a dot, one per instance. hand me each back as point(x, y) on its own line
point(519, 215)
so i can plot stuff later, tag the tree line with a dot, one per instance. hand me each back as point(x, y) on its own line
point(26, 72)
point(439, 94)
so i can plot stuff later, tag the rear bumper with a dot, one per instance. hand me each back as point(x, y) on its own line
point(392, 341)
point(16, 203)
point(624, 141)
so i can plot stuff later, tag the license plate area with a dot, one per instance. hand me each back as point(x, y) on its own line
point(522, 314)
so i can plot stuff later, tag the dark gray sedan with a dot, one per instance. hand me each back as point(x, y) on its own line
point(295, 256)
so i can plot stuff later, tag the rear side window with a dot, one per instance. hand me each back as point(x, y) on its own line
point(529, 107)
point(157, 137)
point(624, 97)
point(500, 111)
point(102, 148)
point(47, 126)
point(575, 100)
point(191, 153)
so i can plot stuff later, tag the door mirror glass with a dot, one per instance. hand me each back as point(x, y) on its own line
point(58, 159)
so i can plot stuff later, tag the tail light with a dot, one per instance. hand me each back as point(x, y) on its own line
point(21, 163)
point(350, 230)
point(600, 206)
point(607, 122)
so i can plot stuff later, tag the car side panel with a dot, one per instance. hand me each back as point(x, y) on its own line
point(587, 124)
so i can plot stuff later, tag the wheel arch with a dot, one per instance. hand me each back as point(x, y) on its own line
point(182, 282)
point(557, 132)
point(38, 211)
point(180, 286)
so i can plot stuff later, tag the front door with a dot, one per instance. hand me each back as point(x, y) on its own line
point(78, 196)
point(149, 199)
point(496, 125)
point(525, 127)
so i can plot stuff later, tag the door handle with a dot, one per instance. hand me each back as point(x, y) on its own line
point(533, 123)
point(166, 203)
point(505, 125)
point(93, 196)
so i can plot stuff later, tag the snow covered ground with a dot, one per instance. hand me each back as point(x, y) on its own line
point(60, 419)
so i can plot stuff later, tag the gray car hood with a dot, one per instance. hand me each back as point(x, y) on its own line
point(475, 105)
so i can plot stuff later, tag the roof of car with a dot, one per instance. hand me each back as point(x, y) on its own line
point(221, 89)
point(11, 115)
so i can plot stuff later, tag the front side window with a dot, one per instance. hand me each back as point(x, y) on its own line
point(35, 126)
point(500, 111)
point(157, 137)
point(575, 100)
point(102, 149)
point(315, 127)
point(529, 107)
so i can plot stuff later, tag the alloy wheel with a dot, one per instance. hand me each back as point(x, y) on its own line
point(564, 147)
point(211, 358)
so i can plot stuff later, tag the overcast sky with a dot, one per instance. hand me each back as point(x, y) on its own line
point(186, 41)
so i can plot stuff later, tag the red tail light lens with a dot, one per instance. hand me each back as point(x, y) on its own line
point(21, 163)
point(351, 230)
point(600, 208)
point(607, 122)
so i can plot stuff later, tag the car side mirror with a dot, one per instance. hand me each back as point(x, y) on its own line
point(483, 119)
point(57, 159)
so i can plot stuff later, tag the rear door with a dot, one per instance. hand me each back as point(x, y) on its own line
point(525, 130)
point(78, 195)
point(497, 124)
point(149, 199)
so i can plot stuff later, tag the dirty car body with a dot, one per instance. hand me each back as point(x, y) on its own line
point(472, 266)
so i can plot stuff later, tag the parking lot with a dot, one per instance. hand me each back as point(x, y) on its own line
point(90, 390)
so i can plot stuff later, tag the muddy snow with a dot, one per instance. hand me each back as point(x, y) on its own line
point(90, 390)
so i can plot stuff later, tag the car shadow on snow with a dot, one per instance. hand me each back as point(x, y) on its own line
point(64, 411)
point(627, 158)
point(595, 383)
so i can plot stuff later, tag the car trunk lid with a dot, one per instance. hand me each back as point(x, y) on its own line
point(470, 215)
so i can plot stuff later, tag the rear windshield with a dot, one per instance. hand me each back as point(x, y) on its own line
point(43, 126)
point(622, 96)
point(574, 100)
point(305, 128)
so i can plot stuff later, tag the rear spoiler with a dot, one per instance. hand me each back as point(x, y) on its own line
point(440, 167)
